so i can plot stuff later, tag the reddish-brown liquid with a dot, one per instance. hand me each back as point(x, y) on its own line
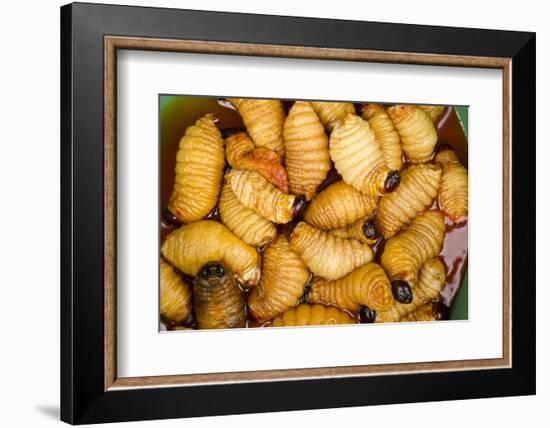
point(455, 247)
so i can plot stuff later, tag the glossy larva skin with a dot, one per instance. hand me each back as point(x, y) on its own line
point(327, 255)
point(417, 132)
point(357, 156)
point(175, 294)
point(386, 135)
point(434, 112)
point(237, 147)
point(244, 222)
point(407, 251)
point(241, 153)
point(331, 112)
point(424, 313)
point(199, 170)
point(338, 206)
point(431, 280)
point(306, 314)
point(368, 285)
point(284, 276)
point(264, 121)
point(254, 192)
point(416, 192)
point(191, 246)
point(453, 192)
point(218, 301)
point(307, 158)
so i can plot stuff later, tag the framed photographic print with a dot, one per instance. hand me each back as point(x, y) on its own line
point(308, 213)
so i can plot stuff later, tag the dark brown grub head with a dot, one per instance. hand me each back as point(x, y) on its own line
point(401, 291)
point(211, 270)
point(370, 231)
point(440, 311)
point(298, 206)
point(392, 181)
point(366, 315)
point(169, 218)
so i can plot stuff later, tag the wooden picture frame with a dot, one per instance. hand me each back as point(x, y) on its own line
point(90, 389)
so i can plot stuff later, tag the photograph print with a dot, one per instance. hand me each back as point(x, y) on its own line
point(292, 213)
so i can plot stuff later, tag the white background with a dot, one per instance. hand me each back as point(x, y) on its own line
point(29, 219)
point(144, 352)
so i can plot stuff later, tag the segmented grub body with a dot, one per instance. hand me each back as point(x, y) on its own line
point(367, 285)
point(307, 158)
point(241, 153)
point(417, 132)
point(453, 192)
point(199, 170)
point(338, 206)
point(175, 294)
point(386, 136)
point(306, 314)
point(254, 192)
point(327, 255)
point(431, 279)
point(407, 251)
point(264, 121)
point(331, 112)
point(191, 246)
point(284, 276)
point(218, 301)
point(244, 222)
point(416, 192)
point(358, 158)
